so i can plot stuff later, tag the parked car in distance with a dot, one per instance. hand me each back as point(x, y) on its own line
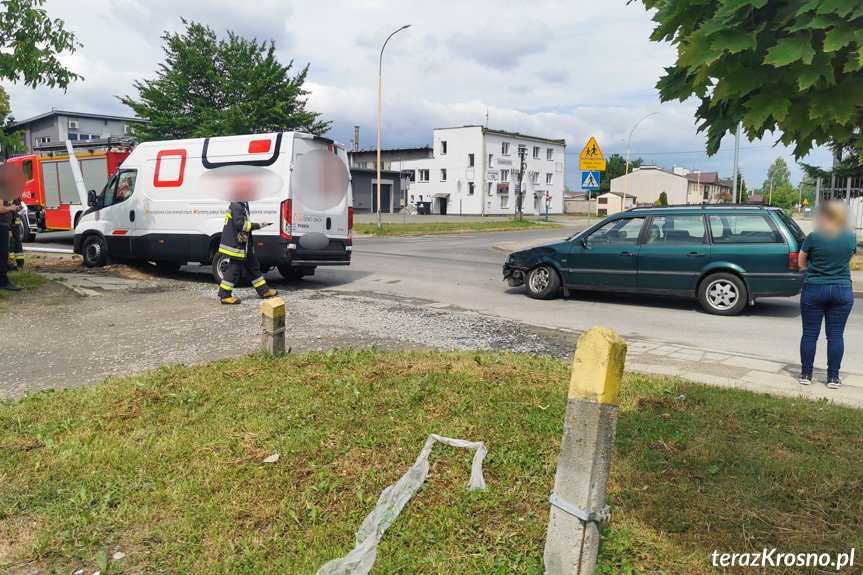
point(727, 256)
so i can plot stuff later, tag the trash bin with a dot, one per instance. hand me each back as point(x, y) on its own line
point(424, 208)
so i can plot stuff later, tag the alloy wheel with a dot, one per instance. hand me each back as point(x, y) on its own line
point(722, 294)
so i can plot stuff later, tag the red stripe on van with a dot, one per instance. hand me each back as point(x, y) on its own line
point(119, 232)
point(259, 146)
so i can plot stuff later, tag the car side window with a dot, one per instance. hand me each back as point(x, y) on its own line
point(620, 232)
point(108, 191)
point(680, 230)
point(742, 229)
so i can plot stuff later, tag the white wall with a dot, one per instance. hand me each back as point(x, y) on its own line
point(647, 184)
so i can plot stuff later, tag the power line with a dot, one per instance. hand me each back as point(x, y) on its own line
point(677, 153)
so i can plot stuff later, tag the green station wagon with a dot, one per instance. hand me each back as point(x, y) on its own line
point(725, 255)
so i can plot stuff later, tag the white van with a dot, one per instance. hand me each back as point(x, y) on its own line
point(155, 208)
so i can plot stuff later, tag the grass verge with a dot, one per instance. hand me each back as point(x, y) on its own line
point(27, 280)
point(452, 227)
point(167, 468)
point(857, 262)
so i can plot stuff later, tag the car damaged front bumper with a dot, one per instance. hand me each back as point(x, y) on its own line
point(513, 274)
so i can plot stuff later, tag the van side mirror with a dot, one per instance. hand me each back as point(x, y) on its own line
point(91, 198)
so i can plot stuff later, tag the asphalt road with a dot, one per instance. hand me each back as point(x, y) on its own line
point(463, 271)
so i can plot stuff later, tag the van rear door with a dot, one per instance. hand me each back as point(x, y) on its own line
point(319, 192)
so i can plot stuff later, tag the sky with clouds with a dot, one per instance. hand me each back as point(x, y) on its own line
point(550, 68)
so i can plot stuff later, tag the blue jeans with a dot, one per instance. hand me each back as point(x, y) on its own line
point(832, 305)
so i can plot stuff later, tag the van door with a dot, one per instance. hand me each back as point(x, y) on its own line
point(319, 193)
point(118, 211)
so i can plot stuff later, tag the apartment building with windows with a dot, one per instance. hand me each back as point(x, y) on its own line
point(57, 126)
point(473, 170)
point(680, 185)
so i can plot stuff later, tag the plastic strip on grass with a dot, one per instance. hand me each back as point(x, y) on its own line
point(392, 501)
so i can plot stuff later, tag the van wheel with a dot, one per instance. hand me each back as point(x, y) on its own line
point(95, 251)
point(723, 294)
point(27, 233)
point(220, 264)
point(542, 282)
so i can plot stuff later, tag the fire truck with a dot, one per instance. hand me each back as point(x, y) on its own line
point(50, 193)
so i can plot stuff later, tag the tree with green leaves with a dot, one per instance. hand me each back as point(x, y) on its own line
point(10, 143)
point(209, 86)
point(615, 167)
point(778, 175)
point(663, 199)
point(30, 42)
point(789, 66)
point(785, 196)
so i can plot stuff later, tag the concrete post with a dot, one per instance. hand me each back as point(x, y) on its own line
point(578, 501)
point(273, 326)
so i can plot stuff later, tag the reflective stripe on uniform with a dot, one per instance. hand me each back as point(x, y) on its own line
point(259, 282)
point(232, 251)
point(226, 287)
point(248, 226)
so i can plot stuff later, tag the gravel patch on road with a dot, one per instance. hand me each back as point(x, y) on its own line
point(66, 340)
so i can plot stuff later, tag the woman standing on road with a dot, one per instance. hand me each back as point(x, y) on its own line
point(827, 295)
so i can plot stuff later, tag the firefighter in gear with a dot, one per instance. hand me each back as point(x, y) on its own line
point(8, 211)
point(16, 248)
point(237, 244)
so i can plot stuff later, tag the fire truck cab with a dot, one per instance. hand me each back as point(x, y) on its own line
point(50, 193)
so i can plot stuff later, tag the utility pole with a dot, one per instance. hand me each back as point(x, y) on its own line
point(522, 150)
point(736, 160)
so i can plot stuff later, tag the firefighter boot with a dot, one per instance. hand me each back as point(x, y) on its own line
point(269, 294)
point(230, 301)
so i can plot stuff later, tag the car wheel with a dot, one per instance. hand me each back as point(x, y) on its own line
point(542, 282)
point(220, 265)
point(94, 251)
point(723, 294)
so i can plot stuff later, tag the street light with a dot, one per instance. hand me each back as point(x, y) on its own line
point(628, 144)
point(380, 72)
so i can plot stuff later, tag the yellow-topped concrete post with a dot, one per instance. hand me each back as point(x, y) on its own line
point(273, 326)
point(578, 501)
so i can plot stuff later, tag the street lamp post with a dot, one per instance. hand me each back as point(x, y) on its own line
point(628, 144)
point(380, 73)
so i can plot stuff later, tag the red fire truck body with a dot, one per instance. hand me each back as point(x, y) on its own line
point(50, 193)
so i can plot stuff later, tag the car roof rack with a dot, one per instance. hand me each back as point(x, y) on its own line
point(702, 207)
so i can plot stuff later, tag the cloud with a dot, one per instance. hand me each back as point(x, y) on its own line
point(553, 75)
point(502, 43)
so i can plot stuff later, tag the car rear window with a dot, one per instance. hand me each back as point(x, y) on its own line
point(792, 226)
point(742, 229)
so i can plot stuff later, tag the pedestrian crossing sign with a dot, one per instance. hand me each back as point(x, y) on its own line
point(589, 180)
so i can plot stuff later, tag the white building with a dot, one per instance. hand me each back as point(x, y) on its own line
point(680, 186)
point(474, 171)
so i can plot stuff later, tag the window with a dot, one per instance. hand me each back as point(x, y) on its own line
point(602, 201)
point(504, 175)
point(549, 153)
point(470, 188)
point(504, 148)
point(536, 152)
point(742, 229)
point(491, 189)
point(73, 137)
point(443, 174)
point(412, 198)
point(534, 177)
point(423, 175)
point(470, 161)
point(490, 158)
point(549, 179)
point(621, 232)
point(443, 147)
point(504, 202)
point(119, 188)
point(27, 167)
point(706, 193)
point(677, 230)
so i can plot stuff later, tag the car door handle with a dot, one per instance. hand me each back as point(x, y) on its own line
point(696, 254)
point(131, 215)
point(625, 254)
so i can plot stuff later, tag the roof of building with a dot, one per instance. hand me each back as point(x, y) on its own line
point(618, 194)
point(77, 115)
point(709, 178)
point(384, 150)
point(506, 134)
point(374, 170)
point(756, 199)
